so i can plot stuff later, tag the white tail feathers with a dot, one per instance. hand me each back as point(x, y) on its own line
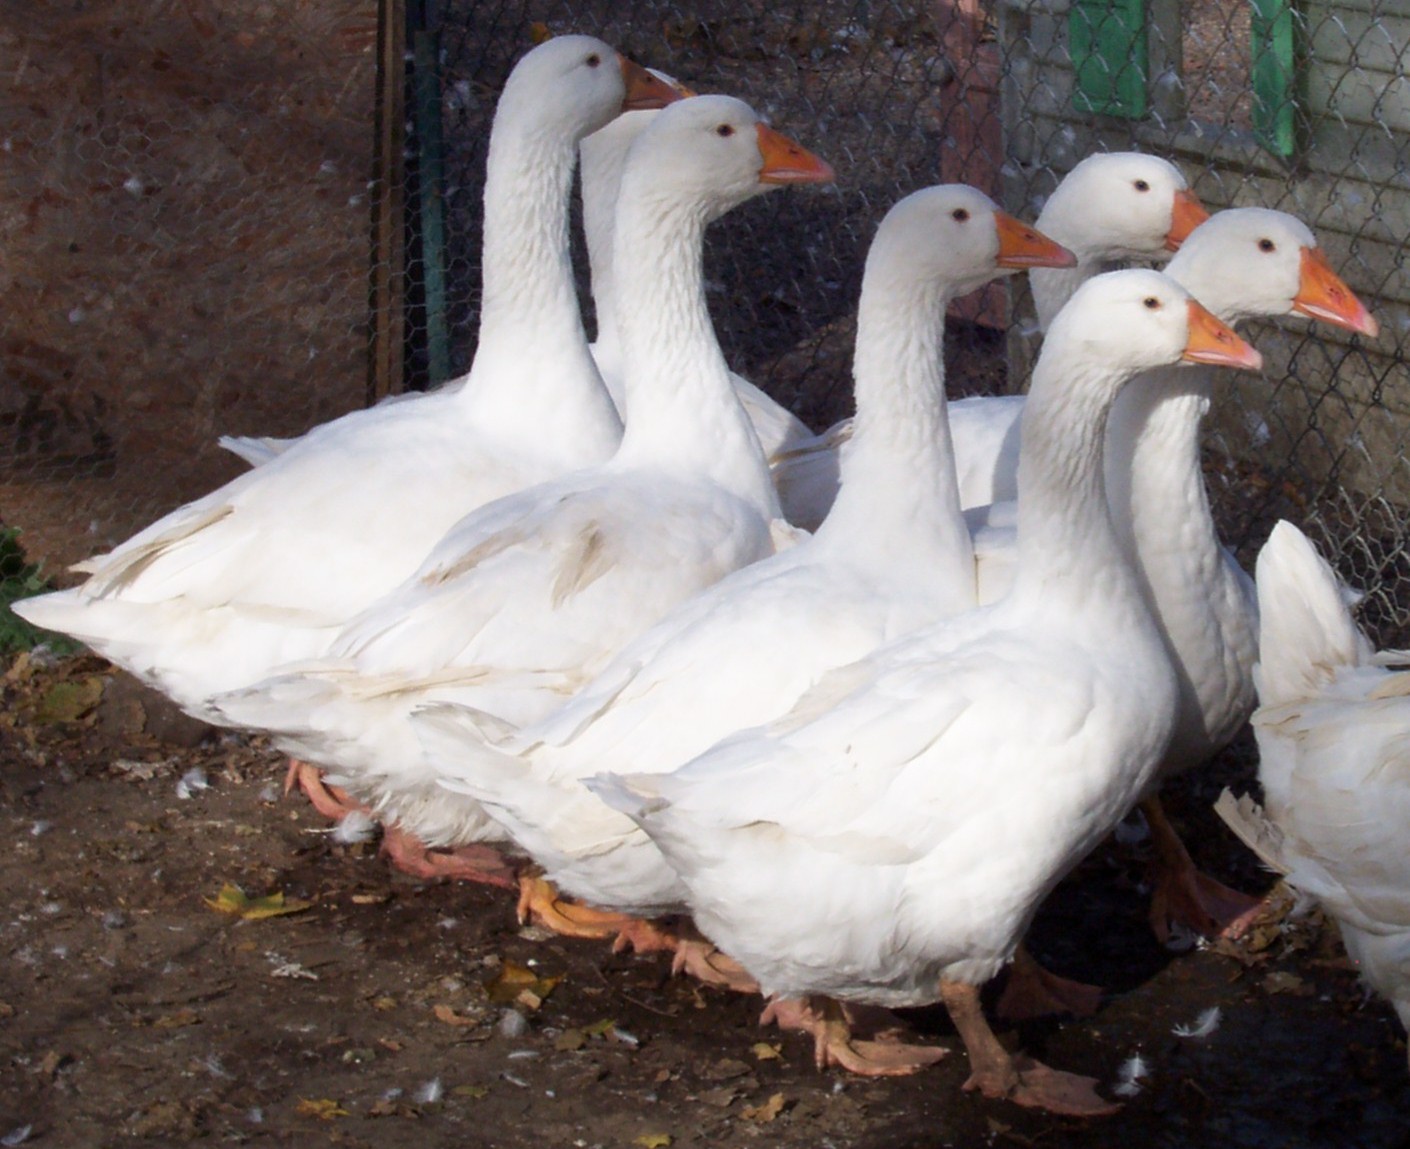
point(53, 611)
point(1306, 632)
point(255, 451)
point(1254, 828)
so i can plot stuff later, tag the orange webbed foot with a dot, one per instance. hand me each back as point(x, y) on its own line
point(541, 904)
point(331, 801)
point(1037, 1086)
point(472, 863)
point(706, 962)
point(1032, 991)
point(835, 1045)
point(1182, 895)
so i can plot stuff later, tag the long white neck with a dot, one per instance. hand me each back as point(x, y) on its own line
point(1202, 603)
point(533, 379)
point(1154, 477)
point(1154, 481)
point(1052, 287)
point(684, 413)
point(1069, 554)
point(899, 496)
point(604, 154)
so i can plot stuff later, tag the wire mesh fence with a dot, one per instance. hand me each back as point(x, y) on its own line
point(185, 233)
point(189, 234)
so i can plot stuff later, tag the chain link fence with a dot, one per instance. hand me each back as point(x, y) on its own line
point(184, 223)
point(188, 235)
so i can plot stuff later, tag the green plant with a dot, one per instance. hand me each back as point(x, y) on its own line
point(19, 579)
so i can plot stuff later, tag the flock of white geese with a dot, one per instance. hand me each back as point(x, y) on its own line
point(608, 620)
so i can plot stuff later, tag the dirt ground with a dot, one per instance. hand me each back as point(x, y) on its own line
point(395, 1013)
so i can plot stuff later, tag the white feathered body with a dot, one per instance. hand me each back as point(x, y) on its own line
point(893, 837)
point(1333, 735)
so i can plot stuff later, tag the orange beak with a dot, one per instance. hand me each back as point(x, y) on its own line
point(1322, 295)
point(645, 90)
point(788, 163)
point(1022, 246)
point(1186, 215)
point(1211, 341)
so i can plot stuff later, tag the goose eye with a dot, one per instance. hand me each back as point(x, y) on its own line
point(1267, 245)
point(594, 60)
point(1142, 186)
point(959, 215)
point(1151, 303)
point(724, 131)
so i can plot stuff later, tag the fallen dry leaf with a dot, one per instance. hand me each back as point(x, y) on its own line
point(474, 1092)
point(20, 669)
point(448, 1015)
point(324, 1108)
point(518, 984)
point(134, 770)
point(765, 1051)
point(725, 1069)
point(178, 1020)
point(53, 1061)
point(1281, 981)
point(766, 1112)
point(68, 701)
point(653, 1140)
point(392, 1107)
point(569, 1040)
point(384, 1003)
point(232, 900)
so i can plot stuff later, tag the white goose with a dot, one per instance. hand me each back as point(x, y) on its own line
point(1243, 263)
point(893, 555)
point(1111, 206)
point(603, 155)
point(266, 569)
point(525, 599)
point(889, 840)
point(1332, 727)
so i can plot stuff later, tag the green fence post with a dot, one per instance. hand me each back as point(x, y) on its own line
point(1107, 40)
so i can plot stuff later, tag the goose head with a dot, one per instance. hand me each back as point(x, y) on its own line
point(713, 152)
point(1138, 319)
point(1122, 205)
point(956, 235)
point(573, 85)
point(1253, 261)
